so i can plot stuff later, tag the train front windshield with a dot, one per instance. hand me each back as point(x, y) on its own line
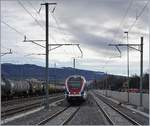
point(75, 82)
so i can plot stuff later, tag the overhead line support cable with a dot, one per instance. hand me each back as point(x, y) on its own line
point(137, 17)
point(122, 21)
point(20, 33)
point(37, 12)
point(30, 14)
point(12, 28)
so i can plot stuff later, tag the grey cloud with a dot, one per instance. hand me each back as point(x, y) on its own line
point(97, 12)
point(82, 19)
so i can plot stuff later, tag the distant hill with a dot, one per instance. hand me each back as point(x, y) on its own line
point(27, 71)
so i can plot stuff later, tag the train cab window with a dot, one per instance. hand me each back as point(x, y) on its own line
point(75, 82)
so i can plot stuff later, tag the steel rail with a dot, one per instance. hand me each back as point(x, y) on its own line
point(43, 122)
point(70, 117)
point(19, 109)
point(30, 106)
point(52, 116)
point(19, 100)
point(121, 113)
point(105, 114)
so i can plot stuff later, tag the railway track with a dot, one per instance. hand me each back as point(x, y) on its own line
point(113, 115)
point(15, 101)
point(61, 117)
point(26, 107)
point(18, 100)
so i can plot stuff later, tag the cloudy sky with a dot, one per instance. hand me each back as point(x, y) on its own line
point(91, 23)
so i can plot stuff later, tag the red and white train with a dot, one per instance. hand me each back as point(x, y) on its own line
point(75, 88)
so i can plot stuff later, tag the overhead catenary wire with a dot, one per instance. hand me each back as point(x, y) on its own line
point(138, 16)
point(49, 26)
point(58, 26)
point(120, 25)
point(123, 18)
point(15, 53)
point(143, 9)
point(34, 17)
point(14, 29)
point(30, 3)
point(20, 33)
point(30, 14)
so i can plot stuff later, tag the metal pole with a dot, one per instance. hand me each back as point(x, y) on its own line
point(141, 72)
point(47, 53)
point(74, 63)
point(106, 84)
point(55, 75)
point(103, 86)
point(127, 65)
